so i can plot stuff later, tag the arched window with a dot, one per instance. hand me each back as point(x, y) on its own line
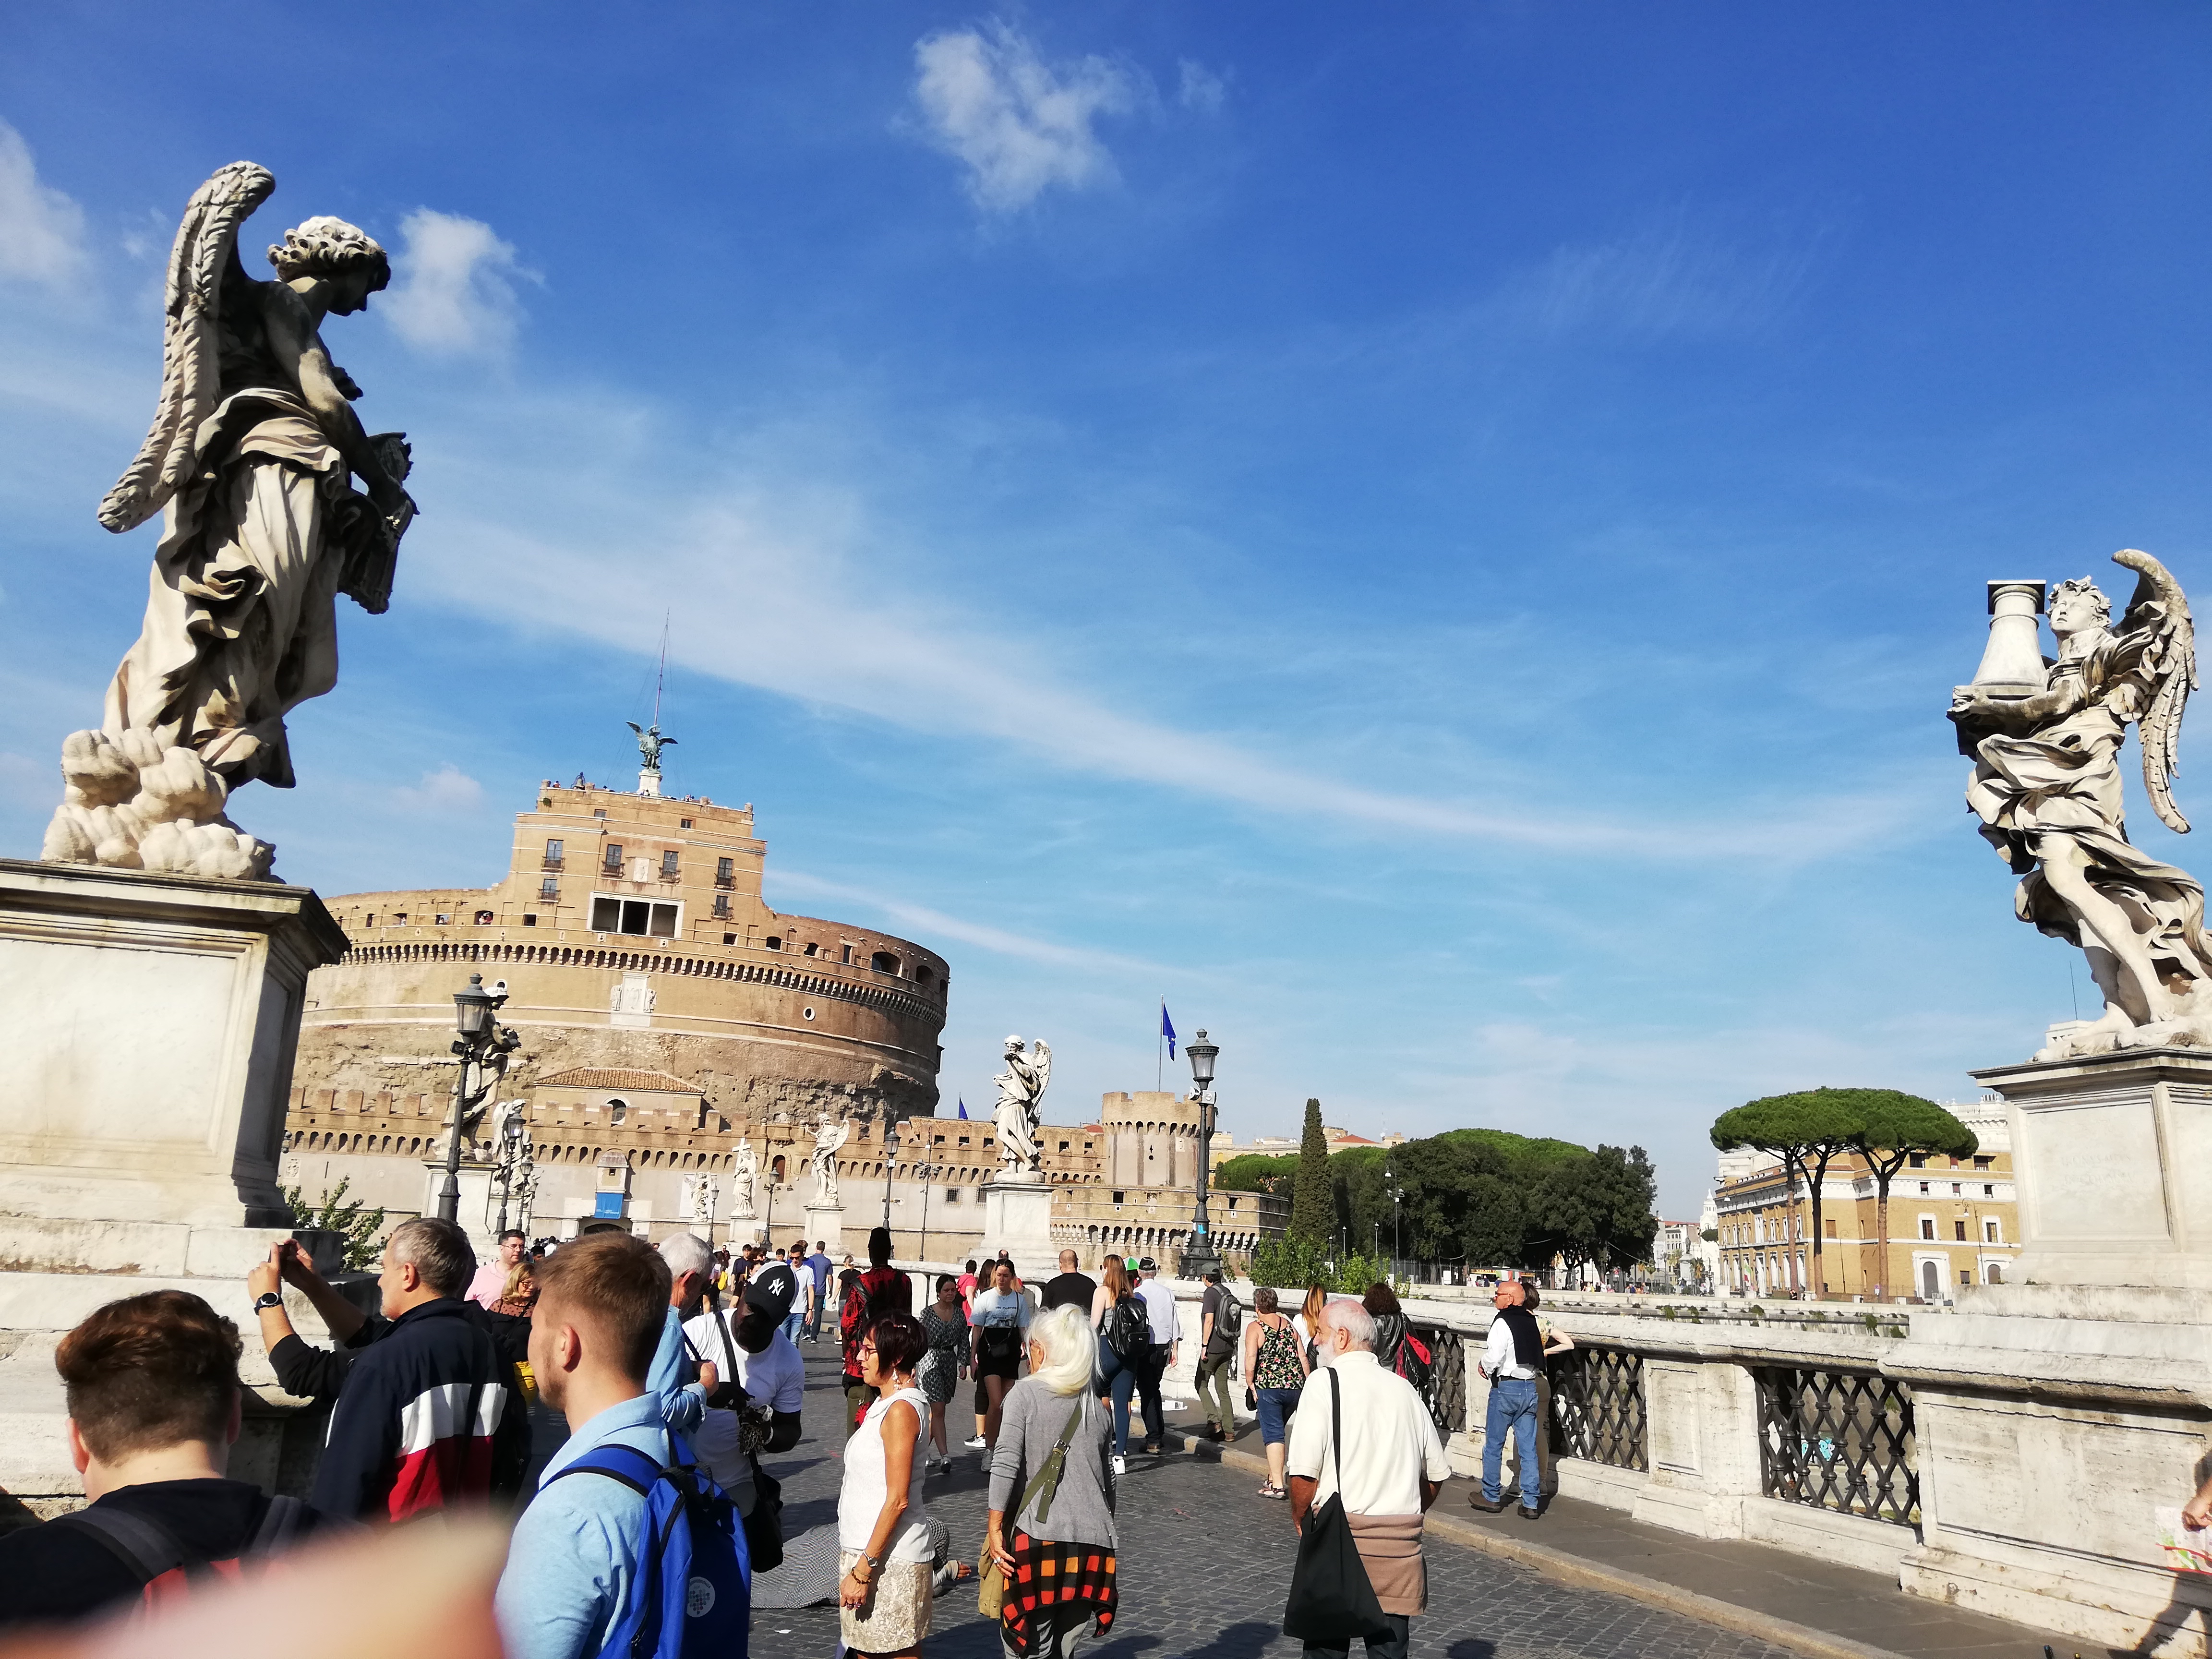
point(883, 963)
point(776, 1170)
point(617, 1110)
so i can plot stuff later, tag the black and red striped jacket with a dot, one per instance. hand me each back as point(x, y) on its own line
point(426, 1413)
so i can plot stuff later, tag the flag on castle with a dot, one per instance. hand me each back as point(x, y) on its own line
point(963, 1110)
point(1167, 1029)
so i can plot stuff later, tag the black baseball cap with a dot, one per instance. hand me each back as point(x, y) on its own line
point(773, 1289)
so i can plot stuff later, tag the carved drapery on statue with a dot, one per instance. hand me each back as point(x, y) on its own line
point(1019, 1111)
point(2047, 789)
point(250, 460)
point(830, 1135)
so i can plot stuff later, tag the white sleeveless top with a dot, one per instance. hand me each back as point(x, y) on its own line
point(861, 1500)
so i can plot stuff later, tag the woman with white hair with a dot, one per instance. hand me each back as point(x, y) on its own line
point(1052, 1498)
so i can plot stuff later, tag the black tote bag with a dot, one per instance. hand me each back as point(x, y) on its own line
point(1331, 1600)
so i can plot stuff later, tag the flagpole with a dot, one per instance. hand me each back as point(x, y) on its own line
point(1159, 1045)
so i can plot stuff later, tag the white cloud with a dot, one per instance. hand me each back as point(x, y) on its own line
point(1670, 276)
point(1020, 126)
point(41, 230)
point(455, 293)
point(1201, 89)
point(448, 793)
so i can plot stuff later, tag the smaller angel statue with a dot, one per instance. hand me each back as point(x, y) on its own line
point(1019, 1111)
point(650, 743)
point(830, 1134)
point(2047, 788)
point(744, 1171)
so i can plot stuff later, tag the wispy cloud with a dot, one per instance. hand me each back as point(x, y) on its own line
point(1199, 87)
point(42, 229)
point(447, 792)
point(935, 925)
point(1021, 126)
point(455, 293)
point(1675, 275)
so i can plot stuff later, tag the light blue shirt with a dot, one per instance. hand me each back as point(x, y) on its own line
point(574, 1563)
point(682, 1405)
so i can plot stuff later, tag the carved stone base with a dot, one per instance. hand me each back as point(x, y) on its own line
point(1018, 1220)
point(827, 1225)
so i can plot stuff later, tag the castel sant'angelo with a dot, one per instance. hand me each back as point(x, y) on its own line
point(666, 1014)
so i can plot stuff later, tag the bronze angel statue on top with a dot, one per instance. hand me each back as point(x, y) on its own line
point(2047, 788)
point(252, 461)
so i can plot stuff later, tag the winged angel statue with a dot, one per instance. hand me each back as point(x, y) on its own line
point(2046, 786)
point(251, 461)
point(1019, 1111)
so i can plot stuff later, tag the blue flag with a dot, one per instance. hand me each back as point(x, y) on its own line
point(1167, 1029)
point(963, 1110)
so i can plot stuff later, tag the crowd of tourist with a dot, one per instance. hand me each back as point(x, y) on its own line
point(674, 1368)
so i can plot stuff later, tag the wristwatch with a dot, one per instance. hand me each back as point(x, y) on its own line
point(267, 1300)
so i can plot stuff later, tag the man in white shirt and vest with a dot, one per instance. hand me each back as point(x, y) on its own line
point(1393, 1467)
point(1512, 1360)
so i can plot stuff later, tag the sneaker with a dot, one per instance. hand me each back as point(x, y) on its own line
point(977, 1444)
point(1121, 1464)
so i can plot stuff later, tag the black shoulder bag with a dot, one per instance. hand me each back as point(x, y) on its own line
point(1331, 1599)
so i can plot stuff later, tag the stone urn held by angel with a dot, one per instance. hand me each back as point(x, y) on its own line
point(252, 461)
point(2045, 739)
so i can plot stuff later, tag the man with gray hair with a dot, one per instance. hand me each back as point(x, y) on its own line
point(429, 1411)
point(1364, 1432)
point(681, 1384)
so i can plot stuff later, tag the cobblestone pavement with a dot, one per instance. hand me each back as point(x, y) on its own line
point(1205, 1565)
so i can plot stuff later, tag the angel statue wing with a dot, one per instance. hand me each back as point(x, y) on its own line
point(2169, 662)
point(1041, 1062)
point(203, 265)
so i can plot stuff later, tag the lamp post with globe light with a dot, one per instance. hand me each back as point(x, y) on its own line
point(1200, 1257)
point(891, 1158)
point(483, 1043)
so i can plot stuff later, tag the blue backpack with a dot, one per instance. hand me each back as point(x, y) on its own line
point(695, 1592)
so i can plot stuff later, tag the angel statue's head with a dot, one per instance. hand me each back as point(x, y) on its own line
point(2079, 607)
point(344, 255)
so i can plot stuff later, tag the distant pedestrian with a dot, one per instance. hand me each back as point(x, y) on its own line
point(586, 1556)
point(880, 1291)
point(429, 1416)
point(154, 1406)
point(1512, 1360)
point(1220, 1321)
point(1125, 1348)
point(802, 1305)
point(1053, 1537)
point(1166, 1346)
point(999, 1326)
point(945, 1323)
point(490, 1282)
point(968, 1285)
point(1275, 1361)
point(1555, 1340)
point(1392, 1468)
point(1072, 1287)
point(883, 1533)
point(1307, 1322)
point(1391, 1325)
point(819, 1266)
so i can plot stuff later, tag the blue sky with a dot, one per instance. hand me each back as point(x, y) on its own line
point(1438, 541)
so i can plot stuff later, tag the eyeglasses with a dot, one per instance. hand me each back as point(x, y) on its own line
point(866, 1347)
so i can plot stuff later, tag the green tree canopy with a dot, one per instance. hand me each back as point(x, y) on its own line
point(1312, 1204)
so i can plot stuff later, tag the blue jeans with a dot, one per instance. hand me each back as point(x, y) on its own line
point(1276, 1406)
point(790, 1327)
point(1120, 1381)
point(1512, 1403)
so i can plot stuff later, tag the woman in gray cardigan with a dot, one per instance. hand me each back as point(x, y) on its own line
point(1059, 1534)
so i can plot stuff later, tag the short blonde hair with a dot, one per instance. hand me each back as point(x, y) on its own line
point(1070, 1351)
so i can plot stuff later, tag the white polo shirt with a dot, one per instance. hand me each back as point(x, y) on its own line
point(1159, 1311)
point(1390, 1442)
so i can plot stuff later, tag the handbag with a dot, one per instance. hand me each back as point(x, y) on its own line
point(1331, 1600)
point(991, 1585)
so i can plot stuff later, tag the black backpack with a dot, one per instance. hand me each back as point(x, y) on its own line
point(1128, 1328)
point(1228, 1320)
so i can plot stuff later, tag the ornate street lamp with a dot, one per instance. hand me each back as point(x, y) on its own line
point(927, 1171)
point(1201, 1256)
point(483, 1043)
point(891, 1158)
point(1396, 1195)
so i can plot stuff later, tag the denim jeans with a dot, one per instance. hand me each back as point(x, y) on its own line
point(1120, 1380)
point(1392, 1646)
point(1276, 1406)
point(1512, 1405)
point(791, 1326)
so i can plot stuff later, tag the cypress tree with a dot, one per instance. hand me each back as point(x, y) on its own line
point(1312, 1208)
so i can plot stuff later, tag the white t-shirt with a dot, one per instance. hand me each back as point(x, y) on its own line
point(1159, 1309)
point(1001, 1308)
point(1390, 1443)
point(776, 1377)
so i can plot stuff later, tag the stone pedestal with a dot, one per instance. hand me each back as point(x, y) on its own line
point(1018, 1220)
point(2054, 1416)
point(827, 1223)
point(150, 1022)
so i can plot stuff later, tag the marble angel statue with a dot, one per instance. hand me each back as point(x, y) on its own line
point(830, 1134)
point(252, 461)
point(1021, 1088)
point(2047, 788)
point(744, 1170)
